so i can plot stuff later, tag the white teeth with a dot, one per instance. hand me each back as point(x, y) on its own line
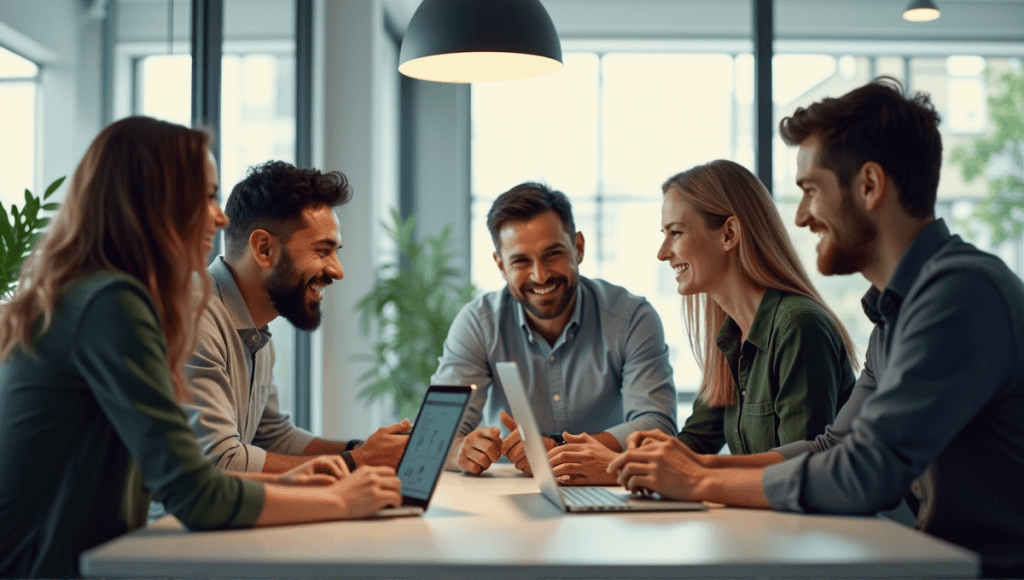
point(680, 269)
point(544, 290)
point(318, 290)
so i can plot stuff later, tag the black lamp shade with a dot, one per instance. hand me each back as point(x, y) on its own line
point(463, 41)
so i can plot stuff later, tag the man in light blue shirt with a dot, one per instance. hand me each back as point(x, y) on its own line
point(592, 355)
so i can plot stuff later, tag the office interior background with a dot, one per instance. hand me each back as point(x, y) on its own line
point(649, 88)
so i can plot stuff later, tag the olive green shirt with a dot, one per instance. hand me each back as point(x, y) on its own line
point(89, 426)
point(791, 375)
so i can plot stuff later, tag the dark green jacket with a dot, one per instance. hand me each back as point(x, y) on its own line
point(89, 425)
point(791, 376)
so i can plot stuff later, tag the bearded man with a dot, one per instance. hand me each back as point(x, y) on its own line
point(281, 250)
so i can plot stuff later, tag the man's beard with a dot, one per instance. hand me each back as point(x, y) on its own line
point(287, 292)
point(568, 292)
point(852, 252)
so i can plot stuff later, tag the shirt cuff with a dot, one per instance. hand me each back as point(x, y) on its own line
point(621, 433)
point(791, 450)
point(783, 482)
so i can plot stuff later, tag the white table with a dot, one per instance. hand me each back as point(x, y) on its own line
point(499, 526)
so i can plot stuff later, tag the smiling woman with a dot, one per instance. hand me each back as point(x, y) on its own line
point(780, 363)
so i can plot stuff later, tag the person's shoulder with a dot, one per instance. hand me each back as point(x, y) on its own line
point(962, 261)
point(488, 304)
point(613, 299)
point(798, 306)
point(107, 285)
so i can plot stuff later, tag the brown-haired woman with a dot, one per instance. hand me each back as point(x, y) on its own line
point(777, 362)
point(92, 346)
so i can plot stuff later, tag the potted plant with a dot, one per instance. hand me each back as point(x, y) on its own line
point(411, 307)
point(19, 232)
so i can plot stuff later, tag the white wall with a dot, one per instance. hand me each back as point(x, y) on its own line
point(60, 37)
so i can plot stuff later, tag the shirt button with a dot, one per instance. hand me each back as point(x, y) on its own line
point(558, 398)
point(551, 358)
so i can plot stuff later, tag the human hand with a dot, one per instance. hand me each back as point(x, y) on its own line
point(512, 445)
point(638, 439)
point(368, 489)
point(583, 460)
point(320, 470)
point(661, 464)
point(479, 450)
point(384, 446)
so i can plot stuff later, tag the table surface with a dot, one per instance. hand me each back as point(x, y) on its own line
point(499, 526)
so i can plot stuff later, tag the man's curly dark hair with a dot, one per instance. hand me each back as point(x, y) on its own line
point(273, 196)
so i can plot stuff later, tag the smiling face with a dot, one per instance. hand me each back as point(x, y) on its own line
point(696, 254)
point(308, 264)
point(540, 262)
point(847, 235)
point(216, 218)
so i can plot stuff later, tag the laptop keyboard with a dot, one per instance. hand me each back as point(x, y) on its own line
point(591, 496)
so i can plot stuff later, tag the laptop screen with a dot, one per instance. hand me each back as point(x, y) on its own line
point(429, 441)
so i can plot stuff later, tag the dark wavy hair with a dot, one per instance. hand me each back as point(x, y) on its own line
point(876, 122)
point(272, 197)
point(525, 201)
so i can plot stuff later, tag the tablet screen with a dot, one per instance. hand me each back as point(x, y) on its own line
point(430, 439)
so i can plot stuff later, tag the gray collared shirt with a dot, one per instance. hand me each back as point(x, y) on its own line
point(235, 411)
point(608, 371)
point(942, 389)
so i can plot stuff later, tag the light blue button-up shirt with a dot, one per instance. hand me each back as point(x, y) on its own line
point(607, 372)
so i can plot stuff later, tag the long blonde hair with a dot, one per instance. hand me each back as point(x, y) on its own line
point(136, 204)
point(716, 191)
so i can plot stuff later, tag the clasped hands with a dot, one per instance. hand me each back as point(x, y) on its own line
point(655, 461)
point(581, 461)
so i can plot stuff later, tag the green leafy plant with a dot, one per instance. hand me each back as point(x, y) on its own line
point(1001, 156)
point(19, 232)
point(411, 307)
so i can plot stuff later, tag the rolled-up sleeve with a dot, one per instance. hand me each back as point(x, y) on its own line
point(125, 366)
point(947, 359)
point(464, 361)
point(648, 393)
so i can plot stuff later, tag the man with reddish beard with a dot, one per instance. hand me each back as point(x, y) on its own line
point(280, 254)
point(592, 355)
point(937, 416)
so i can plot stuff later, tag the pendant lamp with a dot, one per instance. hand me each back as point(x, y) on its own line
point(921, 11)
point(466, 41)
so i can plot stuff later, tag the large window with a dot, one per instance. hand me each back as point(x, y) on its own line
point(610, 128)
point(18, 93)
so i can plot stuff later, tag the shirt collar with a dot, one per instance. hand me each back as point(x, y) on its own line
point(879, 305)
point(760, 329)
point(231, 296)
point(574, 320)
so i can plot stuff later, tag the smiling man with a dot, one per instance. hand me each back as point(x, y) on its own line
point(281, 254)
point(592, 355)
point(937, 415)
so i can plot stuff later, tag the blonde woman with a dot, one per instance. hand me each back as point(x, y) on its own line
point(777, 362)
point(91, 353)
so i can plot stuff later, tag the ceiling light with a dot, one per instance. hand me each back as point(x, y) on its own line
point(921, 11)
point(465, 41)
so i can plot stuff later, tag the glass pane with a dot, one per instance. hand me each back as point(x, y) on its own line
point(541, 129)
point(18, 146)
point(663, 113)
point(15, 66)
point(165, 88)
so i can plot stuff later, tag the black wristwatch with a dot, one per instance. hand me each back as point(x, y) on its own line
point(559, 440)
point(352, 444)
point(348, 461)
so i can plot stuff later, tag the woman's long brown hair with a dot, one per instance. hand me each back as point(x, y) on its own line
point(718, 190)
point(137, 204)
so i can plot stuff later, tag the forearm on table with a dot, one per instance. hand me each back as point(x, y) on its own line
point(291, 505)
point(743, 461)
point(278, 463)
point(733, 486)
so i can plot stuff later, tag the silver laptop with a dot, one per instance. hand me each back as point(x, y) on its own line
point(584, 498)
point(429, 443)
